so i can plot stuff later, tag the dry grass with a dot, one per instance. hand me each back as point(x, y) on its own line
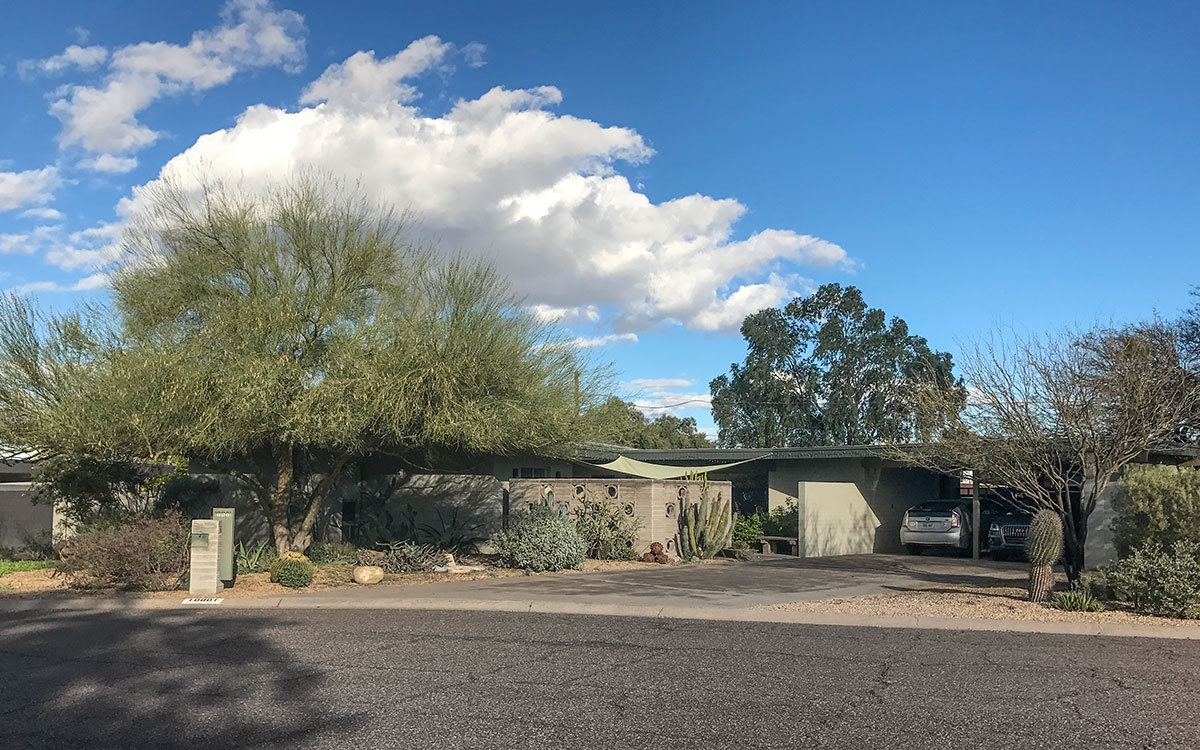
point(974, 602)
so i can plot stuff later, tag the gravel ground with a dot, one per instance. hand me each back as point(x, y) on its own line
point(328, 578)
point(989, 603)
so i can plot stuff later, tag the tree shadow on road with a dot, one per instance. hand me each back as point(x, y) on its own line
point(162, 679)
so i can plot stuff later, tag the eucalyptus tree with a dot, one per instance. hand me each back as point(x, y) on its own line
point(828, 370)
point(276, 336)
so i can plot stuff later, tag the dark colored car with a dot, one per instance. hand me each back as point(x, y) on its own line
point(1007, 535)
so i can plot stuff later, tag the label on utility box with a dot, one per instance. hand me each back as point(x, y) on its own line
point(204, 600)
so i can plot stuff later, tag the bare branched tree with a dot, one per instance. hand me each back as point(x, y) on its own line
point(1055, 418)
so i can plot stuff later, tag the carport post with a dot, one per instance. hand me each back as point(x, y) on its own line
point(974, 514)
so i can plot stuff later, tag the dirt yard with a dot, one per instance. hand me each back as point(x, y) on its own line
point(989, 603)
point(43, 582)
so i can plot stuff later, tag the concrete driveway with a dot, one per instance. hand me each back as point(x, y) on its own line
point(721, 585)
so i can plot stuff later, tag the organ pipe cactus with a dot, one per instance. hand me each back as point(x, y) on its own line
point(703, 527)
point(1043, 547)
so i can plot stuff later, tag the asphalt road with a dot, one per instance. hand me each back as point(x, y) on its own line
point(422, 679)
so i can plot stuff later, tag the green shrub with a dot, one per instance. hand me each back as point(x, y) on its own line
point(1156, 504)
point(256, 560)
point(142, 554)
point(293, 570)
point(607, 532)
point(1078, 599)
point(748, 529)
point(783, 521)
point(404, 557)
point(542, 539)
point(88, 492)
point(1160, 582)
point(332, 553)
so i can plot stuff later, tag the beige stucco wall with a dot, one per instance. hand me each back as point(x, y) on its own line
point(655, 503)
point(869, 517)
point(470, 504)
point(837, 519)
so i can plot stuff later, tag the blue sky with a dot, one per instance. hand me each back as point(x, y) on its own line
point(647, 173)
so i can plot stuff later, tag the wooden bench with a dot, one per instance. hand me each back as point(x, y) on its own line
point(769, 543)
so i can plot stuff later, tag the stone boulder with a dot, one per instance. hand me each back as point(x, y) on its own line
point(368, 574)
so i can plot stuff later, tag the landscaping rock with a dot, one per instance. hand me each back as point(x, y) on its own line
point(367, 574)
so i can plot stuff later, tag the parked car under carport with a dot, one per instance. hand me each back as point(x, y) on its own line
point(936, 524)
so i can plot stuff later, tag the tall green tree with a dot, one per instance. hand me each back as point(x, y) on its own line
point(277, 336)
point(828, 370)
point(623, 423)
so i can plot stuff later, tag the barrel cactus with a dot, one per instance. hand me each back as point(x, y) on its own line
point(293, 570)
point(1043, 547)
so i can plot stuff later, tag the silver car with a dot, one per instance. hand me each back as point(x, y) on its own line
point(938, 523)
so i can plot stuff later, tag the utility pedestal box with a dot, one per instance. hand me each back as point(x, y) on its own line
point(226, 569)
point(204, 545)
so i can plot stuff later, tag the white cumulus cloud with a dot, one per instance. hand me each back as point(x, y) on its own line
point(103, 119)
point(109, 163)
point(74, 56)
point(43, 213)
point(32, 186)
point(584, 342)
point(538, 193)
point(658, 383)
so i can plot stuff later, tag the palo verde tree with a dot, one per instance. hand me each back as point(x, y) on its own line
point(1057, 417)
point(278, 335)
point(828, 370)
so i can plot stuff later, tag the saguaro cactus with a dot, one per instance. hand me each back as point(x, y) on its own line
point(703, 527)
point(1043, 547)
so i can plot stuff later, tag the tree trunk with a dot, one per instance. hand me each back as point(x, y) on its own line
point(303, 535)
point(1073, 545)
point(280, 497)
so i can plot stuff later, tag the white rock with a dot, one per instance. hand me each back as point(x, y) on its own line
point(368, 574)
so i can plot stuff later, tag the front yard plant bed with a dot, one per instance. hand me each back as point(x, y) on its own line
point(325, 578)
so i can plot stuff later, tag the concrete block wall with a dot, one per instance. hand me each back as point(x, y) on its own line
point(655, 503)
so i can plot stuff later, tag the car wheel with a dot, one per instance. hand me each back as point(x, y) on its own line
point(913, 549)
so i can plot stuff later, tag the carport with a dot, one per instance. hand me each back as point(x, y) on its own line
point(850, 500)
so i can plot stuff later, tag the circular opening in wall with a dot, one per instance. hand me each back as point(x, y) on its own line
point(579, 490)
point(670, 544)
point(612, 490)
point(670, 510)
point(682, 493)
point(628, 508)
